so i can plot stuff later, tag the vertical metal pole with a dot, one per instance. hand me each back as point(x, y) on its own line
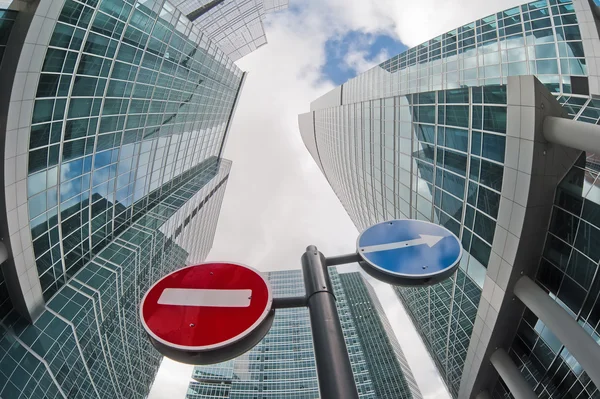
point(336, 380)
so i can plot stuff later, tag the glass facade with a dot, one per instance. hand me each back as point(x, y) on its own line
point(540, 38)
point(122, 182)
point(282, 365)
point(88, 342)
point(235, 25)
point(390, 374)
point(358, 360)
point(129, 98)
point(423, 136)
point(435, 156)
point(568, 271)
point(444, 315)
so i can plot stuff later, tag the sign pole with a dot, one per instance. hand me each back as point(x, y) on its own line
point(239, 299)
point(336, 380)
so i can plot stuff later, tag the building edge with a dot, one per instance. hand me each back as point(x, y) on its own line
point(233, 110)
point(28, 302)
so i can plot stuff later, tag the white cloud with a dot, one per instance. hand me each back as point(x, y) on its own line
point(359, 60)
point(277, 201)
point(418, 21)
point(171, 381)
point(412, 22)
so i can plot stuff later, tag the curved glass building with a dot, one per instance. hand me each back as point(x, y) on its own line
point(490, 130)
point(113, 119)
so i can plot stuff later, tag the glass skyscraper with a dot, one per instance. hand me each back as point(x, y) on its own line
point(114, 114)
point(466, 130)
point(283, 365)
point(389, 371)
point(236, 26)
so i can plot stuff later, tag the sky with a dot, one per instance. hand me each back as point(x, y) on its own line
point(277, 201)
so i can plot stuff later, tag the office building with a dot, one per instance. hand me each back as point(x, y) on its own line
point(283, 365)
point(389, 371)
point(114, 115)
point(236, 26)
point(490, 130)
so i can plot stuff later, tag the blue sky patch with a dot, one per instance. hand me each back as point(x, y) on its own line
point(337, 69)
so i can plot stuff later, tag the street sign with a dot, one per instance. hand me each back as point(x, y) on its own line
point(409, 252)
point(207, 313)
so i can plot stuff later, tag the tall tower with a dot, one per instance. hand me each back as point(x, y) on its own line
point(390, 373)
point(236, 26)
point(113, 119)
point(477, 130)
point(283, 363)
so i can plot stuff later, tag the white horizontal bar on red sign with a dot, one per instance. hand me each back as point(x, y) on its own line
point(205, 297)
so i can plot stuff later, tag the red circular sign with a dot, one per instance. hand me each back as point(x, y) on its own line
point(206, 306)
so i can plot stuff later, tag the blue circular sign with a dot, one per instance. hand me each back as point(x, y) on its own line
point(409, 252)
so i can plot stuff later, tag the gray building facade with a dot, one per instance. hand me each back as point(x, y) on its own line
point(477, 130)
point(283, 365)
point(114, 115)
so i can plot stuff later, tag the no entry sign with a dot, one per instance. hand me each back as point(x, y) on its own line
point(207, 313)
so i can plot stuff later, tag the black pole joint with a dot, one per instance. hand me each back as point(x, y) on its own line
point(316, 277)
point(289, 302)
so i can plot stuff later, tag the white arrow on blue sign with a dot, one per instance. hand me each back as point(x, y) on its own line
point(409, 252)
